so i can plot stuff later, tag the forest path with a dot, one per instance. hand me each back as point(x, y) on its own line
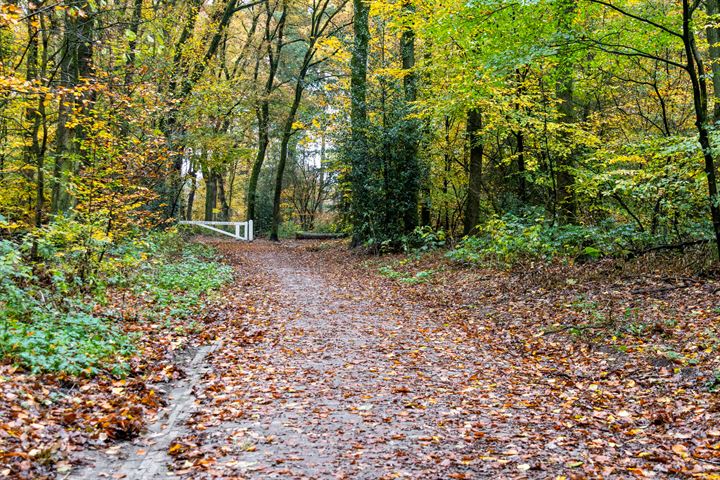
point(317, 373)
point(341, 377)
point(322, 368)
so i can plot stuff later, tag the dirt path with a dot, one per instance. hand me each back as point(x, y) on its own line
point(334, 385)
point(323, 371)
point(344, 386)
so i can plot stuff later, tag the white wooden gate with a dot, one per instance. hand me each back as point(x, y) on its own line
point(246, 227)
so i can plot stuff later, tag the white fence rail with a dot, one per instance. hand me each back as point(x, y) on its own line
point(246, 227)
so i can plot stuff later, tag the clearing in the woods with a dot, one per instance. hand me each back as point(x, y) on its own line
point(321, 368)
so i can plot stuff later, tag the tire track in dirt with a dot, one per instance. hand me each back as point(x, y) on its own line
point(147, 456)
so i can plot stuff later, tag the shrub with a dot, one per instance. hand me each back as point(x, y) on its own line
point(507, 239)
point(423, 239)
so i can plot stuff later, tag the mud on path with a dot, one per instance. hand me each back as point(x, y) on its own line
point(325, 370)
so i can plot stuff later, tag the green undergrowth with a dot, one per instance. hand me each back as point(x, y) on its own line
point(504, 241)
point(57, 286)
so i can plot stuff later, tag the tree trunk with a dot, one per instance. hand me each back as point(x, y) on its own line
point(76, 66)
point(263, 140)
point(210, 194)
point(263, 111)
point(522, 182)
point(34, 116)
point(222, 198)
point(191, 196)
point(359, 158)
point(409, 169)
point(565, 193)
point(285, 141)
point(132, 44)
point(696, 71)
point(472, 209)
point(713, 37)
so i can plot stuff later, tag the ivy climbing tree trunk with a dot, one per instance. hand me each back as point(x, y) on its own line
point(408, 170)
point(75, 66)
point(359, 159)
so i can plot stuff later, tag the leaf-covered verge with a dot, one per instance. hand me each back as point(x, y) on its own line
point(625, 352)
point(87, 327)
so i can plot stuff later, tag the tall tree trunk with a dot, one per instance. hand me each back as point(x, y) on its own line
point(713, 37)
point(359, 156)
point(522, 182)
point(409, 169)
point(210, 194)
point(34, 115)
point(132, 44)
point(696, 71)
point(76, 66)
point(222, 198)
point(565, 193)
point(191, 195)
point(263, 140)
point(263, 110)
point(284, 144)
point(285, 141)
point(446, 177)
point(472, 209)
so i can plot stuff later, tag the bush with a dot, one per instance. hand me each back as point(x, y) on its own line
point(423, 239)
point(43, 331)
point(507, 239)
point(75, 343)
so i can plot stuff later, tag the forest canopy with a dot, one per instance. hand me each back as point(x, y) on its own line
point(588, 125)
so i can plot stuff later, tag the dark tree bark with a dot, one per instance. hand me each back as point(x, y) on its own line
point(359, 157)
point(221, 197)
point(191, 195)
point(210, 194)
point(263, 109)
point(34, 116)
point(472, 209)
point(713, 37)
point(408, 170)
point(284, 143)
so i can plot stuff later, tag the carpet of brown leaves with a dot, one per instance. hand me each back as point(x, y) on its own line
point(327, 369)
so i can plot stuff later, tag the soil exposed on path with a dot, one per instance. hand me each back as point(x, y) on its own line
point(322, 371)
